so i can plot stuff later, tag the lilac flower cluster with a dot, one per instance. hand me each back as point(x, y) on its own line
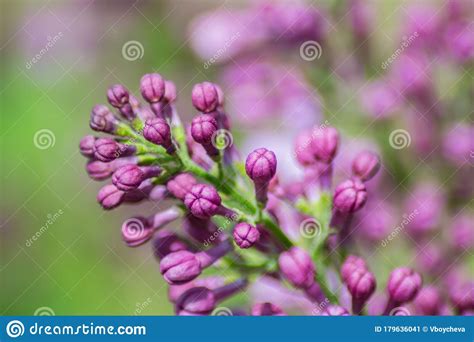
point(150, 155)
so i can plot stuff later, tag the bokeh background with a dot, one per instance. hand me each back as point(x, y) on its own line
point(78, 263)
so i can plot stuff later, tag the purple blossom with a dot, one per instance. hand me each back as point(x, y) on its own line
point(350, 196)
point(296, 266)
point(245, 235)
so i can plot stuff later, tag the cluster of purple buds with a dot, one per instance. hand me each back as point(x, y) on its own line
point(229, 211)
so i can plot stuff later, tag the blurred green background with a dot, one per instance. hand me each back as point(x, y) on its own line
point(78, 264)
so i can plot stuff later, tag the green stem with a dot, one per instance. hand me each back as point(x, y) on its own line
point(321, 280)
point(276, 231)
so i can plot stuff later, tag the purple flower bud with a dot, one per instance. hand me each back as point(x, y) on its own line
point(207, 97)
point(297, 267)
point(428, 301)
point(180, 267)
point(203, 128)
point(203, 201)
point(261, 165)
point(107, 149)
point(167, 242)
point(183, 266)
point(196, 301)
point(130, 176)
point(366, 165)
point(152, 87)
point(86, 146)
point(110, 197)
point(335, 310)
point(202, 300)
point(403, 284)
point(352, 264)
point(303, 149)
point(462, 297)
point(98, 170)
point(180, 185)
point(361, 285)
point(266, 309)
point(118, 96)
point(245, 235)
point(136, 231)
point(102, 119)
point(350, 196)
point(324, 143)
point(158, 132)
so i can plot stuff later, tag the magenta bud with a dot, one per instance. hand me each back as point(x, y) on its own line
point(203, 201)
point(107, 149)
point(403, 285)
point(266, 309)
point(152, 87)
point(183, 266)
point(350, 265)
point(207, 97)
point(366, 165)
point(202, 300)
point(297, 267)
point(110, 197)
point(335, 310)
point(118, 96)
point(196, 301)
point(203, 128)
point(428, 301)
point(180, 185)
point(167, 242)
point(350, 196)
point(261, 165)
point(158, 132)
point(98, 170)
point(130, 176)
point(245, 235)
point(102, 119)
point(86, 146)
point(361, 285)
point(324, 143)
point(180, 267)
point(303, 149)
point(136, 231)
